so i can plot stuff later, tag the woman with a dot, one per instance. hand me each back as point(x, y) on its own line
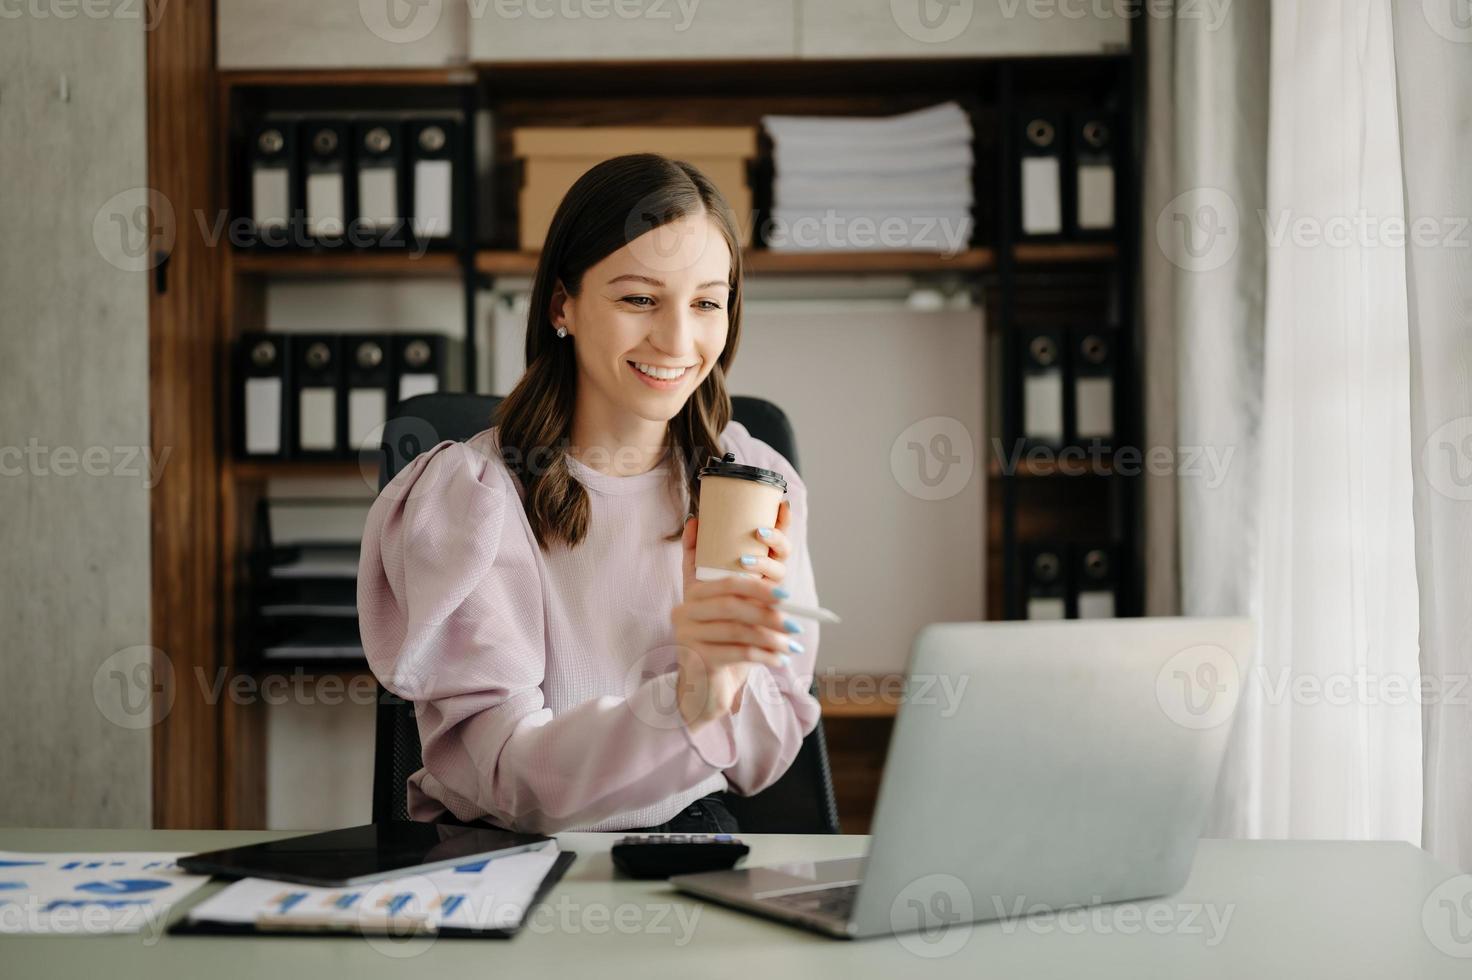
point(533, 590)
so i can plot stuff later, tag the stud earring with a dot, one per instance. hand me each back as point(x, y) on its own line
point(562, 331)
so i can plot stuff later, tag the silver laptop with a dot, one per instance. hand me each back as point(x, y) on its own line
point(1074, 767)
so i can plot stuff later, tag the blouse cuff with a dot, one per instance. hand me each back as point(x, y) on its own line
point(714, 742)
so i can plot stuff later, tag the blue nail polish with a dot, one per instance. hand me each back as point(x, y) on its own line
point(765, 532)
point(748, 560)
point(781, 593)
point(784, 660)
point(794, 646)
point(790, 625)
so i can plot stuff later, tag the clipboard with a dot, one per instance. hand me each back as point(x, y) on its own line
point(306, 927)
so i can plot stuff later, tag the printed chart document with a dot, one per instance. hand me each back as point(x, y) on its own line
point(488, 898)
point(74, 894)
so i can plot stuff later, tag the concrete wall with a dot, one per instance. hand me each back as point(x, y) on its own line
point(74, 542)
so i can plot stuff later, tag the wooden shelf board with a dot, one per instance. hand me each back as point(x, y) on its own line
point(346, 263)
point(1060, 253)
point(349, 76)
point(763, 262)
point(262, 469)
point(861, 695)
point(845, 263)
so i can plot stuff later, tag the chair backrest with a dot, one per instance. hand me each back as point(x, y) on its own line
point(800, 802)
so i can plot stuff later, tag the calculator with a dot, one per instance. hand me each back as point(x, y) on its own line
point(664, 855)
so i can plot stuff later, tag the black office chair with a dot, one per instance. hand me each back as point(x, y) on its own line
point(801, 802)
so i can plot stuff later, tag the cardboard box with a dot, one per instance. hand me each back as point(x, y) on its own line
point(554, 158)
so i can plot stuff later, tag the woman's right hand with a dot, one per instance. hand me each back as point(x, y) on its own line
point(722, 627)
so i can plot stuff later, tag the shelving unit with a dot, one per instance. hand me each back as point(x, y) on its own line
point(1016, 280)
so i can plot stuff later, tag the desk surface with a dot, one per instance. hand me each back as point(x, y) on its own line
point(1250, 909)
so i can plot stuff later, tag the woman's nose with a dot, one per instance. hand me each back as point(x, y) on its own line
point(673, 332)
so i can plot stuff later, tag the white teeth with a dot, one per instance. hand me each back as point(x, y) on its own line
point(661, 374)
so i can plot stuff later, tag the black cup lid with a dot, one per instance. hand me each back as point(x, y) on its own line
point(729, 467)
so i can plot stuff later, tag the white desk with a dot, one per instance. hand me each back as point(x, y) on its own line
point(1290, 909)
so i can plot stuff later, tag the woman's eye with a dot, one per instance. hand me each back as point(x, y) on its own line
point(640, 301)
point(707, 304)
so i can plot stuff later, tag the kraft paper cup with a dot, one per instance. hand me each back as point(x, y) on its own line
point(735, 500)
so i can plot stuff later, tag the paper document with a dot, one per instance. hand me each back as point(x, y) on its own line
point(481, 895)
point(77, 894)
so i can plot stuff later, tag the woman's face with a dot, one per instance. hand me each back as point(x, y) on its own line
point(650, 320)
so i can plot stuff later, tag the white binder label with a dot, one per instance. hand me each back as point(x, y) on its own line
point(1096, 605)
point(1096, 196)
point(1094, 405)
point(367, 411)
point(432, 183)
point(263, 416)
point(1046, 608)
point(325, 210)
point(378, 197)
point(270, 197)
point(1042, 199)
point(1042, 406)
point(418, 384)
point(317, 419)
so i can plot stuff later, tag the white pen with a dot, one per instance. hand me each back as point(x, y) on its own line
point(810, 612)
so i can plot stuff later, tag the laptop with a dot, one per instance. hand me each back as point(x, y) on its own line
point(1034, 766)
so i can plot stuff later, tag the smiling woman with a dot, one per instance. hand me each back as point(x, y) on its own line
point(636, 309)
point(533, 590)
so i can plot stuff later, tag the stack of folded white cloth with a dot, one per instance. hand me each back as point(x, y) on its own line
point(899, 183)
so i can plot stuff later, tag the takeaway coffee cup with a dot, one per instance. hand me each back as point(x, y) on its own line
point(735, 500)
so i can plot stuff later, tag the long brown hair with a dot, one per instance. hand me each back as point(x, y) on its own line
point(608, 207)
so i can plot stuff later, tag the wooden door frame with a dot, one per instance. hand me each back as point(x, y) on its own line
point(191, 767)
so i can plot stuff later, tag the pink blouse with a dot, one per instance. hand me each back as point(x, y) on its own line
point(543, 682)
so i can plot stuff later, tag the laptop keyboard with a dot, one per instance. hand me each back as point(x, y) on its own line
point(836, 902)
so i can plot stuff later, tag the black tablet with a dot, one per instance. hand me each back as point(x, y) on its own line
point(357, 855)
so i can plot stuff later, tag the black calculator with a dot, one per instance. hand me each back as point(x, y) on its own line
point(665, 855)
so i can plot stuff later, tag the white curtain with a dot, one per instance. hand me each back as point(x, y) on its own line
point(1339, 727)
point(1204, 282)
point(1433, 54)
point(1291, 350)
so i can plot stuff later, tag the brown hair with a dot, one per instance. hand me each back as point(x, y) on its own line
point(608, 207)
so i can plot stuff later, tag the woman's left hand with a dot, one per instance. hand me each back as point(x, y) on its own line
point(773, 567)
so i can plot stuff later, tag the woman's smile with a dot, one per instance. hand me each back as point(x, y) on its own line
point(660, 378)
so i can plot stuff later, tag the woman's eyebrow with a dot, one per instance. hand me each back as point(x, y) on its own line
point(634, 277)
